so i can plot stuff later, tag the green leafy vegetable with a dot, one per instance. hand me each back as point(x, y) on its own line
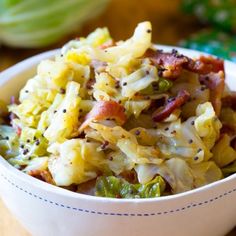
point(32, 23)
point(164, 85)
point(118, 188)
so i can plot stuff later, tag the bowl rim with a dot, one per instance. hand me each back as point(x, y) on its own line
point(9, 73)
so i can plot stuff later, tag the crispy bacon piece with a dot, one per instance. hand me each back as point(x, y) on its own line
point(229, 100)
point(176, 102)
point(103, 110)
point(43, 175)
point(227, 129)
point(170, 65)
point(214, 64)
point(216, 84)
point(90, 83)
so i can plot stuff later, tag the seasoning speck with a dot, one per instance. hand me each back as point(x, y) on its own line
point(37, 142)
point(190, 141)
point(80, 110)
point(7, 138)
point(28, 141)
point(22, 146)
point(166, 129)
point(25, 151)
point(26, 91)
point(105, 144)
point(203, 88)
point(137, 132)
point(149, 31)
point(110, 158)
point(124, 84)
point(199, 150)
point(117, 84)
point(64, 110)
point(192, 122)
point(196, 158)
point(62, 91)
point(55, 111)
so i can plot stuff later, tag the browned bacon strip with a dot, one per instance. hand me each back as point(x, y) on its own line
point(43, 175)
point(103, 110)
point(171, 64)
point(216, 83)
point(213, 65)
point(181, 98)
point(229, 100)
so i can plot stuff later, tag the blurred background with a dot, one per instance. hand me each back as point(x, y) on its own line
point(28, 27)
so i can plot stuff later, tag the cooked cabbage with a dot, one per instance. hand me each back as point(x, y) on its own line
point(89, 118)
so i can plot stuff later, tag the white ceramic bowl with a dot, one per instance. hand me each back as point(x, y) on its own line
point(48, 210)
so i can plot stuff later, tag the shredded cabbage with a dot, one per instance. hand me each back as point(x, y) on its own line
point(87, 118)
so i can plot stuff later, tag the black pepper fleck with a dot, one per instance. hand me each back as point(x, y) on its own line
point(203, 88)
point(105, 144)
point(196, 158)
point(28, 141)
point(199, 150)
point(55, 111)
point(37, 142)
point(166, 129)
point(149, 31)
point(137, 132)
point(25, 151)
point(192, 122)
point(124, 84)
point(174, 51)
point(62, 91)
point(117, 84)
point(64, 110)
point(22, 146)
point(26, 91)
point(190, 141)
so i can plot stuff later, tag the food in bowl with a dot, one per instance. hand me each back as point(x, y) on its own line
point(123, 119)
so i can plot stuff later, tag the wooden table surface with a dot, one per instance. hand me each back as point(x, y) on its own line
point(121, 16)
